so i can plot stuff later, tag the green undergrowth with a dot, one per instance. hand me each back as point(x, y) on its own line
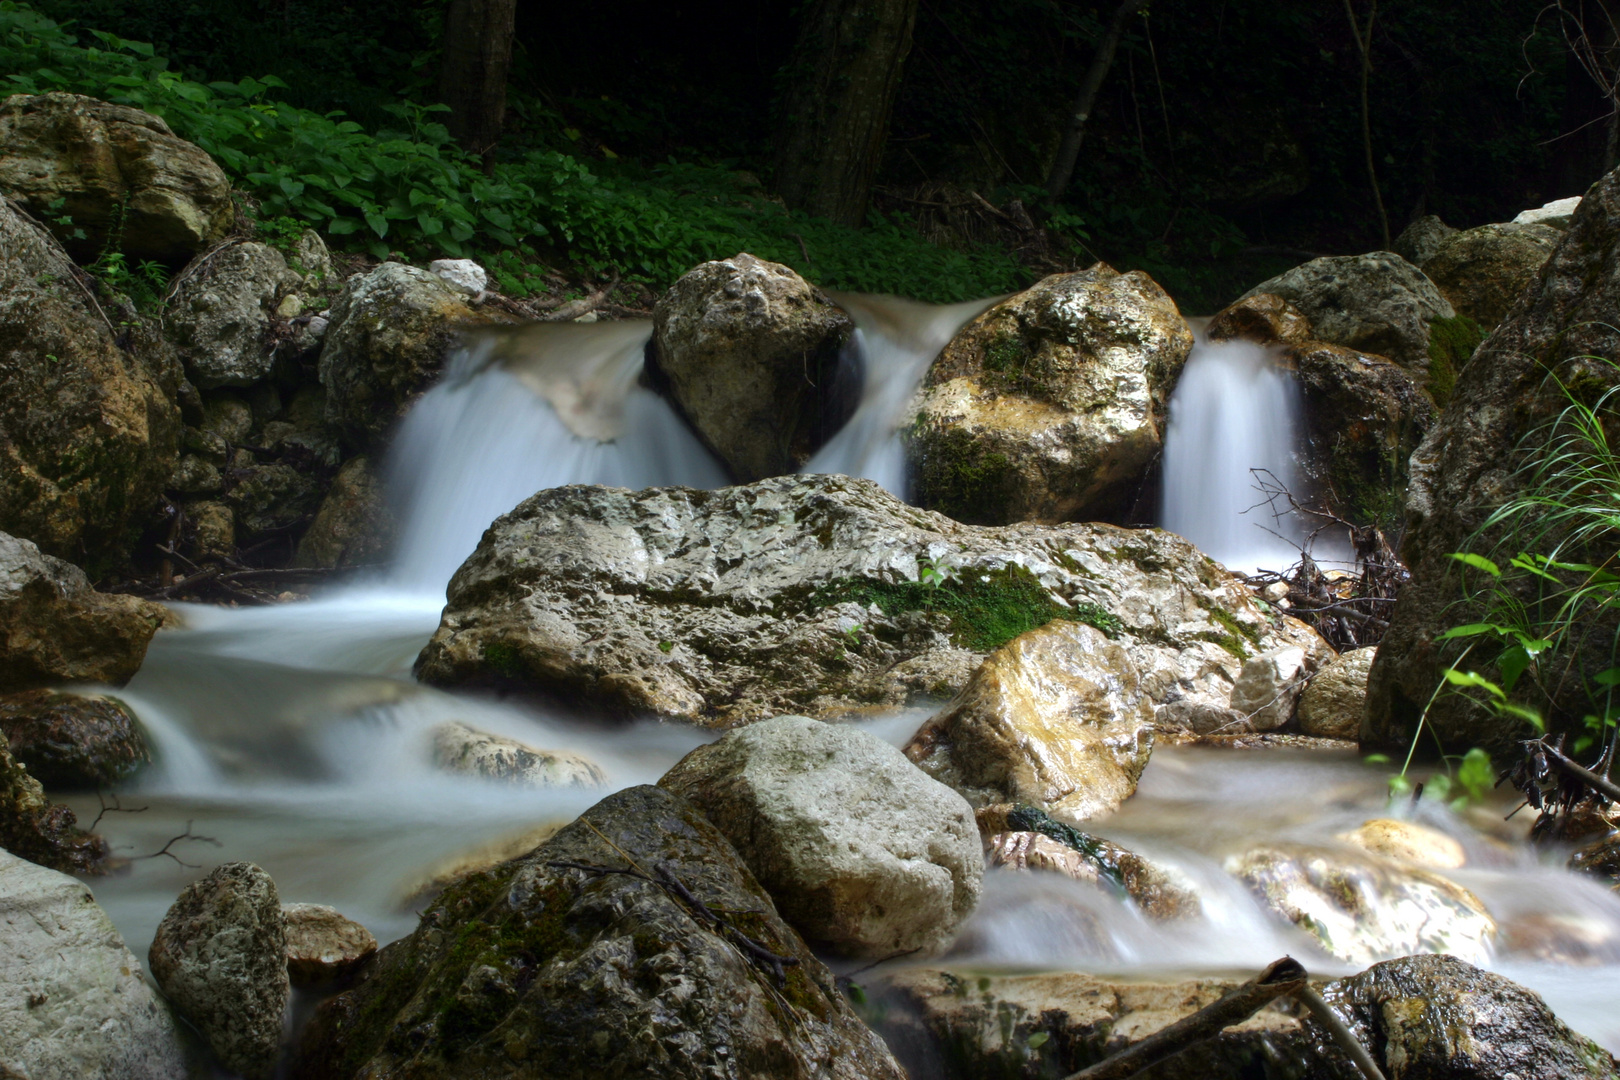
point(985, 609)
point(410, 190)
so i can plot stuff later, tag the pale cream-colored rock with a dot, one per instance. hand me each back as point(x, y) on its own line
point(323, 945)
point(115, 169)
point(1051, 405)
point(861, 851)
point(1056, 717)
point(724, 607)
point(750, 352)
point(1334, 701)
point(461, 749)
point(1557, 213)
point(1160, 893)
point(1409, 842)
point(1363, 908)
point(1268, 687)
point(73, 1002)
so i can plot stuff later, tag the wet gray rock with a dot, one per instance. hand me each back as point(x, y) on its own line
point(222, 312)
point(1482, 271)
point(1438, 1018)
point(536, 969)
point(354, 525)
point(1377, 303)
point(73, 1002)
point(1055, 718)
point(220, 957)
point(813, 595)
point(1161, 892)
point(861, 851)
point(322, 945)
point(458, 748)
point(1333, 704)
point(1051, 405)
point(55, 628)
point(73, 740)
point(750, 352)
point(110, 162)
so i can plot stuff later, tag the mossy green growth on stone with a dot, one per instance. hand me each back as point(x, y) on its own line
point(1451, 345)
point(502, 657)
point(986, 609)
point(962, 479)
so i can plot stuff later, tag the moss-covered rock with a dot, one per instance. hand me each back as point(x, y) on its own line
point(1051, 405)
point(538, 968)
point(73, 740)
point(43, 832)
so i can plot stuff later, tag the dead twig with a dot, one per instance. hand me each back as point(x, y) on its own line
point(1340, 1031)
point(584, 305)
point(173, 840)
point(115, 808)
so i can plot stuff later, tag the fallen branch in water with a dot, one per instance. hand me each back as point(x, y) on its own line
point(115, 808)
point(584, 305)
point(1340, 1031)
point(1608, 788)
point(173, 840)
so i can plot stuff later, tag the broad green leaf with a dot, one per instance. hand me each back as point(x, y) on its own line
point(1478, 562)
point(378, 223)
point(1470, 630)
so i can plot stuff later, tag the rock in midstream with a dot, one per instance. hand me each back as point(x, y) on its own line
point(1056, 717)
point(73, 1002)
point(1334, 702)
point(73, 740)
point(322, 945)
point(1160, 893)
point(220, 957)
point(1050, 406)
point(538, 968)
point(816, 595)
point(861, 851)
point(461, 749)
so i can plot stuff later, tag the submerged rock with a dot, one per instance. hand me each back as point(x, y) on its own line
point(818, 595)
point(73, 1002)
point(461, 749)
point(73, 740)
point(1482, 271)
point(754, 357)
point(41, 831)
point(322, 945)
point(1600, 858)
point(1050, 406)
point(1056, 717)
point(1377, 302)
point(1439, 1018)
point(55, 628)
point(222, 311)
point(861, 851)
point(540, 969)
point(962, 1025)
point(119, 172)
point(220, 957)
point(89, 429)
point(1362, 908)
point(1334, 701)
point(1160, 893)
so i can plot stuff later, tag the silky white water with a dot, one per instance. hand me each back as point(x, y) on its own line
point(294, 736)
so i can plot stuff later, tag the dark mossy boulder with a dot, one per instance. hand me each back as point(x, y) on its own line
point(1482, 271)
point(72, 740)
point(540, 968)
point(43, 832)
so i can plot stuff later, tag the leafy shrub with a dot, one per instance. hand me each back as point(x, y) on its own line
point(413, 190)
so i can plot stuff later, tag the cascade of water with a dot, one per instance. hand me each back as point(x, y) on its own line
point(1233, 414)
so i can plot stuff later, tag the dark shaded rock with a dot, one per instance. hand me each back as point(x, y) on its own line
point(534, 969)
point(72, 740)
point(220, 957)
point(354, 525)
point(222, 311)
point(1482, 271)
point(41, 831)
point(1262, 318)
point(1418, 242)
point(751, 353)
point(1600, 858)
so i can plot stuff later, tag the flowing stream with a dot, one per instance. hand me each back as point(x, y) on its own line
point(294, 736)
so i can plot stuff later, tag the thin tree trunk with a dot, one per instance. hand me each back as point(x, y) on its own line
point(472, 75)
point(1364, 46)
point(1057, 181)
point(840, 88)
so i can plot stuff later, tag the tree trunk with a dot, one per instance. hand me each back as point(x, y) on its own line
point(472, 75)
point(1057, 181)
point(840, 86)
point(1364, 46)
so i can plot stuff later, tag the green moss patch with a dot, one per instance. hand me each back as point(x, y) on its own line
point(959, 477)
point(1451, 345)
point(985, 609)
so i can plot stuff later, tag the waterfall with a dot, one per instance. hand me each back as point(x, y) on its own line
point(1233, 420)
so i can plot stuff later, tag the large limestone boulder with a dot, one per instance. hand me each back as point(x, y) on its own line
point(88, 427)
point(1482, 271)
point(38, 830)
point(1056, 718)
point(118, 170)
point(1363, 908)
point(816, 595)
point(538, 968)
point(55, 628)
point(220, 957)
point(1333, 704)
point(389, 331)
point(355, 526)
point(73, 1002)
point(1439, 1018)
point(1377, 303)
point(223, 309)
point(73, 740)
point(752, 354)
point(1468, 465)
point(861, 851)
point(1051, 405)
